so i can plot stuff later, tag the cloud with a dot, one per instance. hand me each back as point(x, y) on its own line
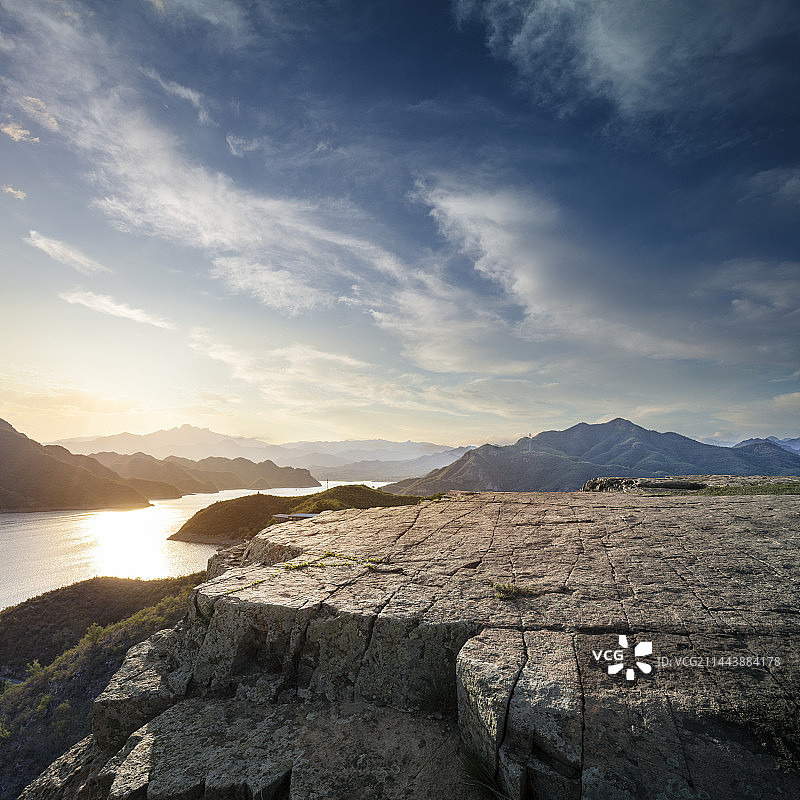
point(782, 185)
point(307, 250)
point(36, 109)
point(107, 305)
point(17, 133)
point(17, 193)
point(184, 93)
point(223, 16)
point(238, 145)
point(663, 56)
point(65, 253)
point(517, 240)
point(275, 288)
point(772, 415)
point(302, 379)
point(448, 329)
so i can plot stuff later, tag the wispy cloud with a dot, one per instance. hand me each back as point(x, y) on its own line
point(239, 145)
point(575, 295)
point(191, 96)
point(107, 305)
point(17, 193)
point(782, 185)
point(37, 110)
point(16, 132)
point(670, 56)
point(300, 379)
point(66, 254)
point(224, 16)
point(307, 250)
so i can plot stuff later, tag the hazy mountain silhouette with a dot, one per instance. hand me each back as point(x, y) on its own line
point(206, 475)
point(792, 445)
point(197, 444)
point(564, 460)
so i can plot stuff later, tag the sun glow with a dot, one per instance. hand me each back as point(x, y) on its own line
point(131, 544)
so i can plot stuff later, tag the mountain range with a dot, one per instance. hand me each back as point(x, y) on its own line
point(36, 477)
point(207, 475)
point(195, 443)
point(565, 460)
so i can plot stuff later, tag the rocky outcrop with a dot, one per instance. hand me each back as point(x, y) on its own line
point(681, 483)
point(565, 645)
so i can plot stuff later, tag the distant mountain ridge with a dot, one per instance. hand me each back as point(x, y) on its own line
point(792, 445)
point(197, 444)
point(376, 470)
point(208, 474)
point(565, 460)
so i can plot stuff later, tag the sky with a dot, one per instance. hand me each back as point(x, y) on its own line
point(457, 222)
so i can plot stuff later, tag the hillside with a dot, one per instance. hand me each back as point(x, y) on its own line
point(792, 445)
point(44, 626)
point(241, 473)
point(230, 521)
point(38, 478)
point(51, 710)
point(565, 460)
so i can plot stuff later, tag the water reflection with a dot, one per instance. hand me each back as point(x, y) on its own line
point(129, 544)
point(44, 550)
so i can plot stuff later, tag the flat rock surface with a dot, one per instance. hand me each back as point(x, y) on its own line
point(585, 645)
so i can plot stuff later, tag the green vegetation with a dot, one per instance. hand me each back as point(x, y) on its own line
point(44, 716)
point(510, 591)
point(235, 520)
point(33, 633)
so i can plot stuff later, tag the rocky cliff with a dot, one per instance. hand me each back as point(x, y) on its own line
point(577, 645)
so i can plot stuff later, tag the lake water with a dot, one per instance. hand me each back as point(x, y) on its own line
point(45, 550)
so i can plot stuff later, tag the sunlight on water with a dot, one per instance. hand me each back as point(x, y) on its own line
point(44, 550)
point(130, 544)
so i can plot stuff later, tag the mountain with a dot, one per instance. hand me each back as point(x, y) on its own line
point(196, 444)
point(186, 441)
point(141, 466)
point(206, 475)
point(565, 460)
point(389, 470)
point(792, 445)
point(34, 477)
point(239, 473)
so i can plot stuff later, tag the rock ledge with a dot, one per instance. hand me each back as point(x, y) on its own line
point(357, 654)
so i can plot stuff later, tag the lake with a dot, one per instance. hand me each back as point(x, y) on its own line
point(45, 550)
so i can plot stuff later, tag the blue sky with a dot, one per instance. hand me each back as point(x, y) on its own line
point(451, 221)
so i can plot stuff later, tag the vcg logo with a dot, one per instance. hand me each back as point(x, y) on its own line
point(616, 658)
